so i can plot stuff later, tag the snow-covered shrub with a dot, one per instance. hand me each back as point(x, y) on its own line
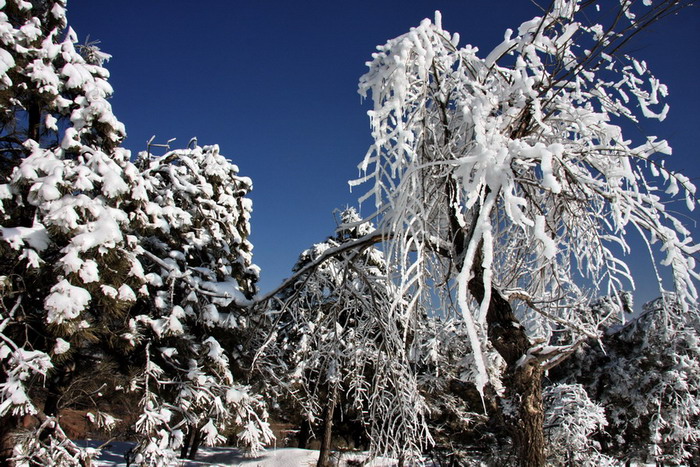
point(647, 377)
point(571, 420)
point(31, 449)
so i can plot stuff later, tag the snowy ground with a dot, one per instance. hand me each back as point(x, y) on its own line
point(113, 456)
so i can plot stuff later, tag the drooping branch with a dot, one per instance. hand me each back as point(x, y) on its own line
point(359, 244)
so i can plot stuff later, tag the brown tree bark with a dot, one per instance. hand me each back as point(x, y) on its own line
point(8, 424)
point(528, 431)
point(325, 450)
point(522, 380)
point(304, 434)
point(196, 442)
point(34, 121)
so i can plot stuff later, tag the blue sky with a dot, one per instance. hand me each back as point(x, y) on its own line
point(274, 84)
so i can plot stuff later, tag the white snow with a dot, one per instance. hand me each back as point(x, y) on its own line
point(113, 456)
point(35, 236)
point(61, 346)
point(549, 248)
point(126, 293)
point(6, 62)
point(65, 302)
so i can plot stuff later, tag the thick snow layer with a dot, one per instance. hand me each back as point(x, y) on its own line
point(65, 302)
point(36, 237)
point(113, 456)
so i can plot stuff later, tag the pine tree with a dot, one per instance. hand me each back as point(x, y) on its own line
point(572, 421)
point(107, 266)
point(187, 328)
point(646, 375)
point(65, 191)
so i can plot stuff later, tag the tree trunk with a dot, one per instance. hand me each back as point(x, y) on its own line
point(523, 380)
point(325, 450)
point(34, 121)
point(304, 434)
point(8, 425)
point(191, 443)
point(196, 441)
point(51, 403)
point(528, 432)
point(53, 397)
point(184, 450)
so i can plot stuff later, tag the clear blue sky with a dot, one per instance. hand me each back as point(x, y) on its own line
point(274, 83)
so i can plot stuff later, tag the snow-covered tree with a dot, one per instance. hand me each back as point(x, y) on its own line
point(65, 188)
point(506, 181)
point(198, 267)
point(335, 346)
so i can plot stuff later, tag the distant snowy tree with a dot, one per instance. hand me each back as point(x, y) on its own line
point(199, 278)
point(504, 181)
point(65, 188)
point(337, 347)
point(647, 377)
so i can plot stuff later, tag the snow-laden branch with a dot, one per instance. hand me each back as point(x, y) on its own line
point(176, 273)
point(353, 245)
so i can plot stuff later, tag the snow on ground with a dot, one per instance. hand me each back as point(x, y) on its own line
point(113, 456)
